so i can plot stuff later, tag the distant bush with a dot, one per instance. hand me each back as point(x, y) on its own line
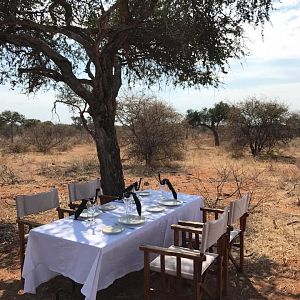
point(45, 136)
point(7, 175)
point(260, 125)
point(153, 131)
point(18, 146)
point(79, 169)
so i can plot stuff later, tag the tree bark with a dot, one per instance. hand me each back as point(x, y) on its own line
point(108, 151)
point(216, 136)
point(103, 112)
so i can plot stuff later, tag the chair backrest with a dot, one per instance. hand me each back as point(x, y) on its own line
point(238, 208)
point(83, 190)
point(32, 204)
point(213, 230)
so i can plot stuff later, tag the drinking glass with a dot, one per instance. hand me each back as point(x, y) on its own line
point(164, 192)
point(127, 202)
point(91, 211)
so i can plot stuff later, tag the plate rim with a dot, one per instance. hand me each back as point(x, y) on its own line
point(163, 208)
point(96, 213)
point(112, 232)
point(128, 223)
point(179, 202)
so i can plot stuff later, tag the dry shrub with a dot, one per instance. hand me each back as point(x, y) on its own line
point(18, 146)
point(290, 181)
point(79, 169)
point(8, 176)
point(232, 182)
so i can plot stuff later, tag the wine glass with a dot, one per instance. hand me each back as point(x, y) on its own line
point(91, 210)
point(164, 193)
point(127, 202)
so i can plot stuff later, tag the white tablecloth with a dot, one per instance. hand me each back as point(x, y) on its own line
point(79, 250)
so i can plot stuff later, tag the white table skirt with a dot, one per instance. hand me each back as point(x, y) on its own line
point(79, 250)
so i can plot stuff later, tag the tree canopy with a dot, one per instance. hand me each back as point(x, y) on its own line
point(11, 119)
point(153, 129)
point(261, 125)
point(210, 118)
point(90, 45)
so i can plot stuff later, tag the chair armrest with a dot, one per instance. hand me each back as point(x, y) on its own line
point(175, 251)
point(206, 211)
point(29, 223)
point(190, 223)
point(212, 210)
point(62, 211)
point(183, 228)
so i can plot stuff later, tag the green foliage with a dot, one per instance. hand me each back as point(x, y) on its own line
point(10, 121)
point(261, 125)
point(90, 45)
point(188, 42)
point(210, 118)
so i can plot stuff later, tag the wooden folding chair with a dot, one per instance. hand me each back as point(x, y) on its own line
point(27, 205)
point(238, 213)
point(185, 263)
point(83, 190)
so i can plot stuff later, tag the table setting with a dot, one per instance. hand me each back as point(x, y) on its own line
point(96, 249)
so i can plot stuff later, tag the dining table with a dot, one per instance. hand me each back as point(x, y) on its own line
point(96, 253)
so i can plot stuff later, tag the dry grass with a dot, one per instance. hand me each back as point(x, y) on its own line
point(273, 233)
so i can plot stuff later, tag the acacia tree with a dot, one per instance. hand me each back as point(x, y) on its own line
point(210, 118)
point(90, 44)
point(11, 119)
point(154, 130)
point(261, 125)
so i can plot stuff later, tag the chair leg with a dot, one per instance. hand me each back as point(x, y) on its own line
point(225, 273)
point(219, 277)
point(241, 266)
point(146, 277)
point(21, 229)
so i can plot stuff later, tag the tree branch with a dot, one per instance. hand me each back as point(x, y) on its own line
point(49, 73)
point(62, 62)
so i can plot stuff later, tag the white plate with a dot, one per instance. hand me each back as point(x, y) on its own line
point(107, 206)
point(171, 202)
point(113, 229)
point(155, 208)
point(143, 193)
point(85, 215)
point(131, 220)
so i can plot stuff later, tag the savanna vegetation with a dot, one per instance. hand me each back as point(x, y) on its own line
point(89, 48)
point(220, 174)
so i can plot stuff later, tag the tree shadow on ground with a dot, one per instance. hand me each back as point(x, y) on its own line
point(254, 284)
point(9, 246)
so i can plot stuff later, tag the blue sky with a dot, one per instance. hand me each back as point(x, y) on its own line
point(272, 71)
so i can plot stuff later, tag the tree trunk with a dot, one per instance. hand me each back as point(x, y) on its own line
point(216, 136)
point(11, 132)
point(103, 112)
point(108, 151)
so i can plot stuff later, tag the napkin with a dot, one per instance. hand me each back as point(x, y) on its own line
point(136, 185)
point(80, 208)
point(136, 201)
point(168, 183)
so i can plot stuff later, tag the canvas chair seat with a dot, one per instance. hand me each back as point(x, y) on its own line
point(187, 265)
point(234, 234)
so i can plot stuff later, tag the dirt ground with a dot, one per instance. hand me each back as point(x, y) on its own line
point(272, 259)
